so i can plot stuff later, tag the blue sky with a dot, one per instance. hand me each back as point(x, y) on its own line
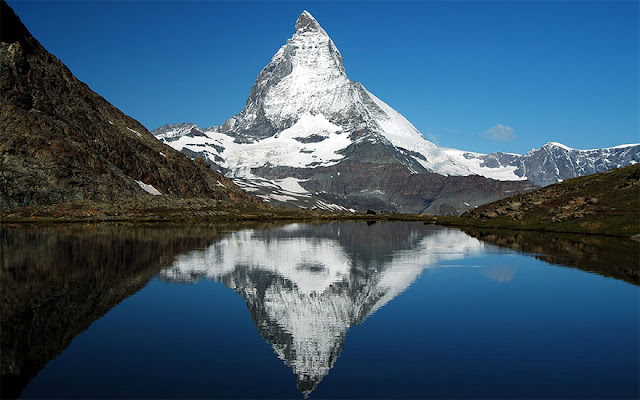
point(479, 76)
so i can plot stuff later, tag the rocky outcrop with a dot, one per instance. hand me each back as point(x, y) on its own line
point(60, 141)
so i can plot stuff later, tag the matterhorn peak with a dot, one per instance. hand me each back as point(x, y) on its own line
point(306, 23)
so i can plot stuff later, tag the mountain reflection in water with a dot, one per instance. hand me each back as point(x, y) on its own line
point(306, 285)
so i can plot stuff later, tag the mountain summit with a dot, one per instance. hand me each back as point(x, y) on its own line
point(306, 77)
point(306, 23)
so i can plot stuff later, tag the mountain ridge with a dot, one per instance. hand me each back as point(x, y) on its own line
point(596, 160)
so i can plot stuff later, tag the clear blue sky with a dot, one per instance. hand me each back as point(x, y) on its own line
point(479, 76)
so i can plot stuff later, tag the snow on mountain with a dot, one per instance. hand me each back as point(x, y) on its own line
point(171, 132)
point(552, 163)
point(304, 112)
point(306, 287)
point(286, 192)
point(555, 162)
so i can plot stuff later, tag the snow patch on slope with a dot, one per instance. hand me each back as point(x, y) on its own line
point(149, 188)
point(292, 185)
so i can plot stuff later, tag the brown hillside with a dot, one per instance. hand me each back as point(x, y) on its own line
point(61, 142)
point(604, 203)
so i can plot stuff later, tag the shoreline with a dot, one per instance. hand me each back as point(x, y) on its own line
point(296, 216)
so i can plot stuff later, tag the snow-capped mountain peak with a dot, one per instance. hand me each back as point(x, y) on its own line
point(306, 120)
point(305, 76)
point(557, 145)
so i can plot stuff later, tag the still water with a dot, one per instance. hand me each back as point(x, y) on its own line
point(341, 310)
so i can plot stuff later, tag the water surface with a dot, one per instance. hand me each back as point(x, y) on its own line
point(342, 310)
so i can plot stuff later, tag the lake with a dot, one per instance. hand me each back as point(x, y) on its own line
point(336, 310)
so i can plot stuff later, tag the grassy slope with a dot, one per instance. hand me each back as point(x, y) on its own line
point(606, 203)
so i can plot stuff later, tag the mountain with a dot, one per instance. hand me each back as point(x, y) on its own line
point(605, 203)
point(306, 286)
point(307, 123)
point(305, 119)
point(61, 142)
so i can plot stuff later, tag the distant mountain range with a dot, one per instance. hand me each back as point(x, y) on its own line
point(306, 126)
point(62, 142)
point(555, 162)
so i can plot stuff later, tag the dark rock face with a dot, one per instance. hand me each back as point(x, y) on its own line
point(60, 141)
point(391, 187)
point(306, 23)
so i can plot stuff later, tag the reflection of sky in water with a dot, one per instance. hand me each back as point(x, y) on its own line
point(500, 273)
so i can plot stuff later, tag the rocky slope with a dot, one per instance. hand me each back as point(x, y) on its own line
point(605, 203)
point(60, 141)
point(305, 119)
